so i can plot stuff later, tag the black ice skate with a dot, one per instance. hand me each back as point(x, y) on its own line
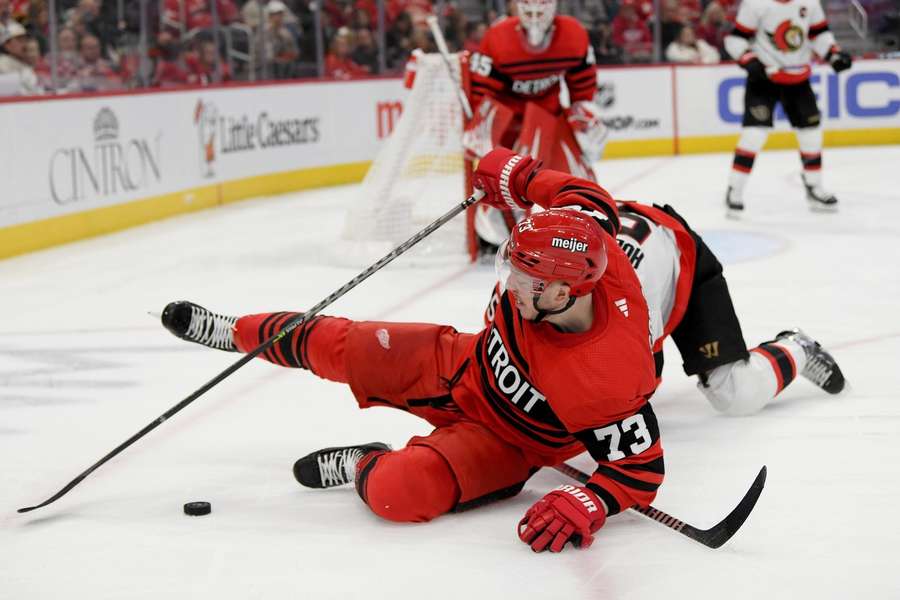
point(331, 467)
point(821, 367)
point(734, 202)
point(818, 198)
point(196, 324)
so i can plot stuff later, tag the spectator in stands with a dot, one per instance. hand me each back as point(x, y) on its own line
point(88, 16)
point(201, 64)
point(5, 12)
point(253, 12)
point(423, 40)
point(95, 73)
point(33, 54)
point(335, 14)
point(399, 42)
point(67, 62)
point(360, 19)
point(605, 51)
point(365, 51)
point(631, 33)
point(674, 16)
point(38, 23)
point(171, 68)
point(474, 34)
point(714, 27)
point(338, 63)
point(16, 75)
point(454, 27)
point(198, 13)
point(281, 50)
point(418, 10)
point(687, 48)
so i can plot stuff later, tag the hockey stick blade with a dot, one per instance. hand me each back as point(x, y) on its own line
point(715, 536)
point(285, 330)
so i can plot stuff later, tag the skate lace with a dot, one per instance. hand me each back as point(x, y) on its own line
point(338, 467)
point(210, 329)
point(818, 370)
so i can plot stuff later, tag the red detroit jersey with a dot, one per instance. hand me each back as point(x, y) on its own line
point(556, 394)
point(505, 68)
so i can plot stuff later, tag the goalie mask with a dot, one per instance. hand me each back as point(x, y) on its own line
point(554, 245)
point(536, 17)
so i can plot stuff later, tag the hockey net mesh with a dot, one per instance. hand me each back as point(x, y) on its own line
point(416, 177)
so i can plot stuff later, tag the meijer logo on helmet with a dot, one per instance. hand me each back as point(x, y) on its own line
point(572, 244)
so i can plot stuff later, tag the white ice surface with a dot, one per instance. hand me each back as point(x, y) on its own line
point(83, 367)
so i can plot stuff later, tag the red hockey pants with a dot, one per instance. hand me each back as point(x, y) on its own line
point(410, 366)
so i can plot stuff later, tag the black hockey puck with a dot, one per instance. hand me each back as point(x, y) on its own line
point(196, 509)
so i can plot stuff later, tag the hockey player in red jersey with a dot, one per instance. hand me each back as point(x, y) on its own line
point(565, 366)
point(524, 60)
point(689, 300)
point(774, 40)
point(533, 81)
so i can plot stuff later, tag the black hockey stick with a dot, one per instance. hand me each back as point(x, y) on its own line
point(713, 537)
point(288, 327)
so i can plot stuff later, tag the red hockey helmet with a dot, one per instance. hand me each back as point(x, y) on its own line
point(558, 245)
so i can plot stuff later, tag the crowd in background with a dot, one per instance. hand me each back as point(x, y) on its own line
point(108, 44)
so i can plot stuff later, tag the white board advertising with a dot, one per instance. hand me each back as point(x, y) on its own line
point(70, 155)
point(710, 100)
point(636, 103)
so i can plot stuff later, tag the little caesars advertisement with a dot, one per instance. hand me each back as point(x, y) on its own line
point(64, 156)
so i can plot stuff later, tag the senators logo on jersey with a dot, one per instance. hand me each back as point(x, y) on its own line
point(787, 37)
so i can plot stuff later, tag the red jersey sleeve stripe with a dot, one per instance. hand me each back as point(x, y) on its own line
point(626, 480)
point(743, 30)
point(657, 465)
point(612, 505)
point(588, 77)
point(618, 490)
point(491, 84)
point(538, 61)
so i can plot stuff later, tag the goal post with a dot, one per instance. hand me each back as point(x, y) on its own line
point(420, 171)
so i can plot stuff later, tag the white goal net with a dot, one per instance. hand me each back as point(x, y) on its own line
point(416, 177)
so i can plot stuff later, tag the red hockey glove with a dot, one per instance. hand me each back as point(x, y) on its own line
point(504, 175)
point(839, 60)
point(568, 513)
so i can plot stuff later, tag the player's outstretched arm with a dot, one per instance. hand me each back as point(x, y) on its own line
point(515, 181)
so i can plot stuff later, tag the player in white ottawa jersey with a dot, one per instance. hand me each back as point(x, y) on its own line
point(774, 41)
point(688, 299)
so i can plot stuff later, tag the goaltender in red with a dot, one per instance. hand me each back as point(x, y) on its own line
point(564, 366)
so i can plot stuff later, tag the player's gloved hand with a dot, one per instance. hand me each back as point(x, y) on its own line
point(590, 132)
point(568, 513)
point(756, 70)
point(504, 175)
point(839, 60)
